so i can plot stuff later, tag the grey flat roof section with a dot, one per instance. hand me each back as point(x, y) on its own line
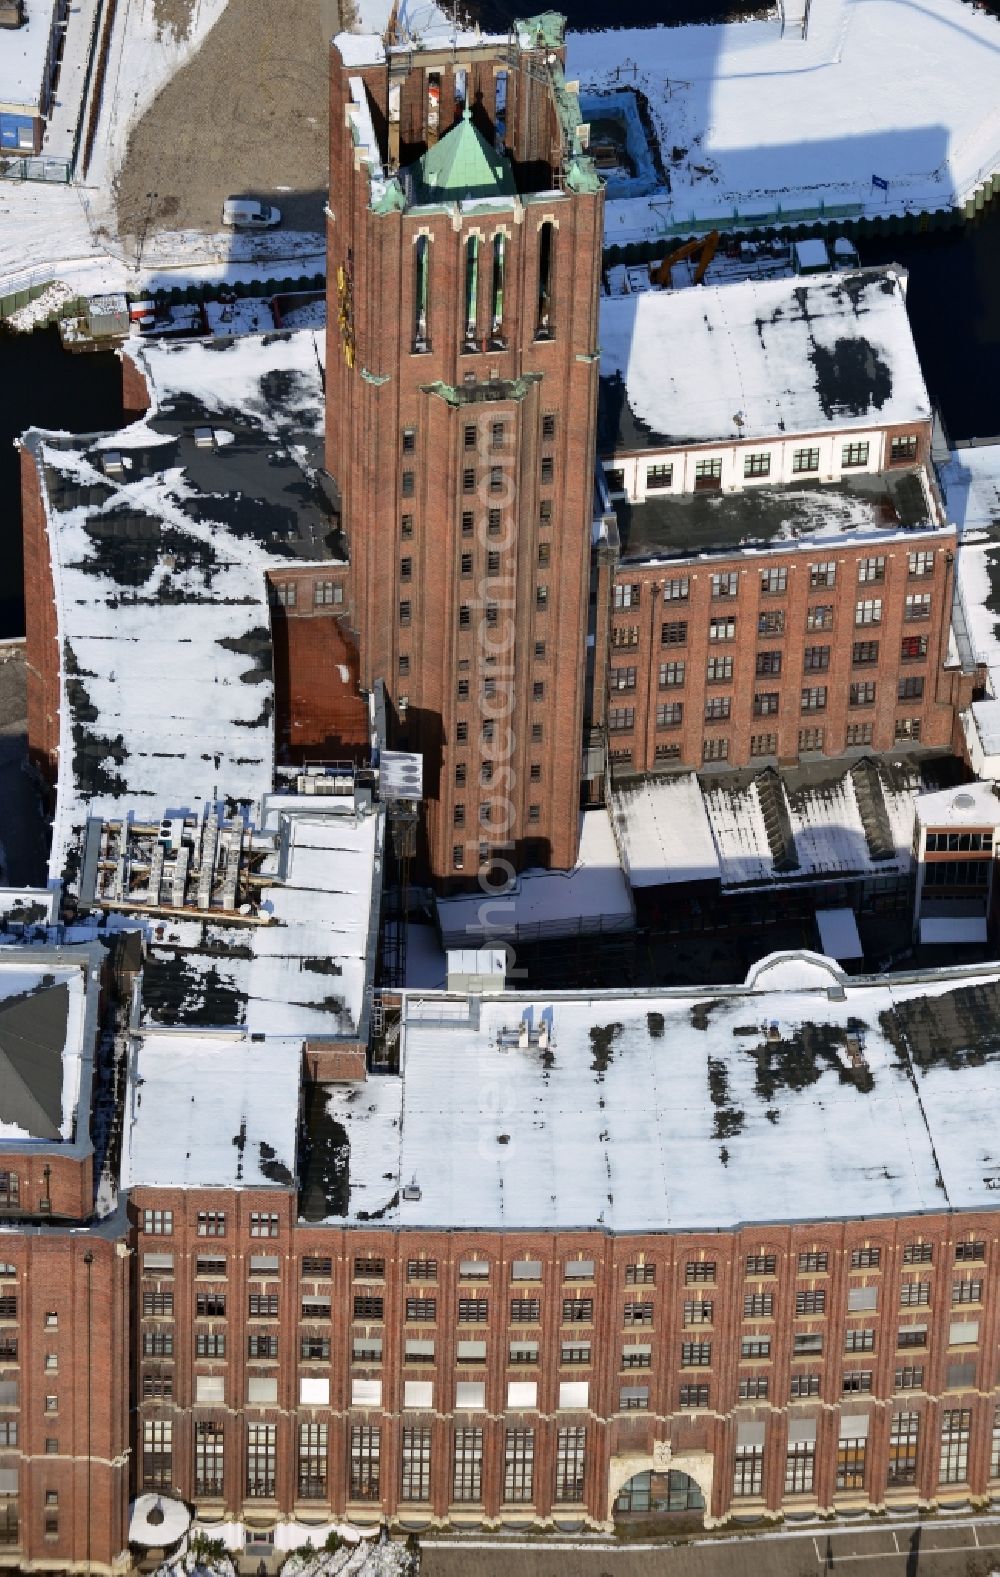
point(684, 525)
point(32, 1037)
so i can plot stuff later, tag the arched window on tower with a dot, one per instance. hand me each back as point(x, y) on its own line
point(546, 246)
point(471, 288)
point(496, 294)
point(420, 271)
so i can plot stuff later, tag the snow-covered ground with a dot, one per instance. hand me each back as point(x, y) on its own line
point(749, 119)
point(70, 232)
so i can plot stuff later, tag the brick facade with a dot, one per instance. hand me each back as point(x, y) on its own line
point(628, 1329)
point(465, 462)
point(750, 633)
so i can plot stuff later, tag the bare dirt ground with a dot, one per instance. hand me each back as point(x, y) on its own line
point(22, 832)
point(247, 115)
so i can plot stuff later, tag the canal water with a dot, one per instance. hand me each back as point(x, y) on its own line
point(954, 301)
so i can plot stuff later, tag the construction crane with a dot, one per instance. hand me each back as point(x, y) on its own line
point(659, 273)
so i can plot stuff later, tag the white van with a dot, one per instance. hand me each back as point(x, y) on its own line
point(246, 213)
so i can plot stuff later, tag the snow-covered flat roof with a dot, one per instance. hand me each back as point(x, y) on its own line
point(683, 1110)
point(682, 829)
point(752, 115)
point(23, 53)
point(160, 536)
point(971, 482)
point(970, 805)
point(305, 972)
point(213, 1112)
point(592, 896)
point(786, 356)
point(664, 831)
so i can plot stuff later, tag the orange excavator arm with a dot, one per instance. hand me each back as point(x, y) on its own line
point(659, 273)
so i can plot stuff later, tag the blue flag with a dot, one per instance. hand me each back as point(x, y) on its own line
point(880, 183)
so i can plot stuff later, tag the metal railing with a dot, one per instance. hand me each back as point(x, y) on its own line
point(57, 172)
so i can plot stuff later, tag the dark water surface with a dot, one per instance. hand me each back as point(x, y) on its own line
point(41, 385)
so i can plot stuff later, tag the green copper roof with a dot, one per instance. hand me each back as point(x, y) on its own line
point(462, 167)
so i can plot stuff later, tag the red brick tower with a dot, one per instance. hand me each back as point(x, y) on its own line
point(464, 243)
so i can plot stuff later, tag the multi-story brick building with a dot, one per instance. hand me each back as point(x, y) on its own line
point(464, 239)
point(776, 556)
point(590, 1306)
point(65, 1314)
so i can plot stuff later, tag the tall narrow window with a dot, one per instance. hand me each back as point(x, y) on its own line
point(496, 302)
point(471, 287)
point(545, 247)
point(421, 261)
point(500, 107)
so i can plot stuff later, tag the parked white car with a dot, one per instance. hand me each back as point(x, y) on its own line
point(246, 213)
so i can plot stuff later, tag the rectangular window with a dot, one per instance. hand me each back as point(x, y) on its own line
point(820, 616)
point(757, 465)
point(152, 1303)
point(868, 611)
point(805, 460)
point(755, 1347)
point(525, 1311)
point(210, 1344)
point(640, 1275)
point(814, 698)
point(822, 574)
point(696, 1355)
point(623, 678)
point(671, 675)
point(676, 590)
point(858, 1340)
point(715, 750)
point(771, 622)
point(467, 1475)
point(719, 670)
point(707, 475)
point(692, 1396)
point(854, 454)
point(717, 708)
point(669, 714)
point(851, 1454)
point(806, 1342)
point(157, 1453)
point(811, 739)
point(759, 1306)
point(918, 564)
point(862, 693)
point(763, 744)
point(913, 648)
point(857, 1381)
point(911, 688)
point(804, 1385)
point(810, 1301)
point(636, 1313)
point(904, 1434)
point(910, 1377)
point(871, 569)
point(367, 1307)
point(864, 654)
point(906, 730)
point(659, 476)
point(571, 1445)
point(548, 470)
point(263, 1306)
point(915, 1294)
point(903, 449)
point(519, 1466)
point(971, 1252)
point(633, 1398)
point(580, 1311)
point(956, 1424)
point(312, 1349)
point(800, 1463)
point(966, 1291)
point(727, 585)
point(918, 1254)
point(722, 629)
point(416, 1463)
point(406, 526)
point(160, 1223)
point(327, 593)
point(621, 719)
point(911, 1336)
point(858, 734)
point(768, 663)
point(748, 1474)
point(627, 596)
point(211, 1223)
point(209, 1458)
point(754, 1387)
point(698, 1311)
point(816, 659)
point(365, 1478)
point(917, 606)
point(674, 633)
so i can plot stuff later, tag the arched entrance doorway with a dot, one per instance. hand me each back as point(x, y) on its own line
point(651, 1497)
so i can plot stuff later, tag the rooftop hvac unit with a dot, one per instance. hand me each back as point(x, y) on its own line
point(412, 1190)
point(325, 783)
point(114, 464)
point(171, 832)
point(204, 437)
